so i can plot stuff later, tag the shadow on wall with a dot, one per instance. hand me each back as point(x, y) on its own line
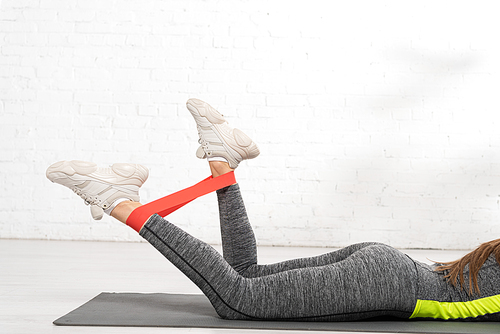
point(412, 171)
point(413, 75)
point(439, 172)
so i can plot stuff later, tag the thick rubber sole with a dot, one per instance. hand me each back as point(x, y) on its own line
point(85, 168)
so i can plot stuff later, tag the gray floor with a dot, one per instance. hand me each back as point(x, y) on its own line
point(43, 280)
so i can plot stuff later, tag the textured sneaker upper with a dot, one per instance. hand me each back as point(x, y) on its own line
point(217, 138)
point(99, 186)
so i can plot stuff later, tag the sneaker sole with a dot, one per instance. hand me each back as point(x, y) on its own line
point(203, 109)
point(85, 168)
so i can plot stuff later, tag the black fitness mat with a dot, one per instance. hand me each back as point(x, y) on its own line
point(195, 311)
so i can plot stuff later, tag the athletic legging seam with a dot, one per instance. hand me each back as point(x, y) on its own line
point(244, 314)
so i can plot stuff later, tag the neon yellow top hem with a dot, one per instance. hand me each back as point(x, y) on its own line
point(456, 310)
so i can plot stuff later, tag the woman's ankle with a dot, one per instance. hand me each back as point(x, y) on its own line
point(123, 210)
point(219, 168)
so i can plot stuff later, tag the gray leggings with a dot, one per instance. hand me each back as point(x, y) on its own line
point(357, 282)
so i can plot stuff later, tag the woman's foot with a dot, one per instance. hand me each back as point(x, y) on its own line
point(101, 188)
point(217, 138)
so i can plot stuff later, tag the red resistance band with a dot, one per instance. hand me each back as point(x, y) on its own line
point(168, 204)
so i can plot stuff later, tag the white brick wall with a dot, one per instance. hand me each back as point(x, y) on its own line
point(377, 120)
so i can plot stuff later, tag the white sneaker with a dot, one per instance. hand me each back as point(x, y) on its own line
point(99, 187)
point(217, 138)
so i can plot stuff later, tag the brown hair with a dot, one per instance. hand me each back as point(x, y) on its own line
point(475, 260)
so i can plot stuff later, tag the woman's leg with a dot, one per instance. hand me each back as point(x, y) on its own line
point(357, 282)
point(239, 245)
point(238, 240)
point(373, 281)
